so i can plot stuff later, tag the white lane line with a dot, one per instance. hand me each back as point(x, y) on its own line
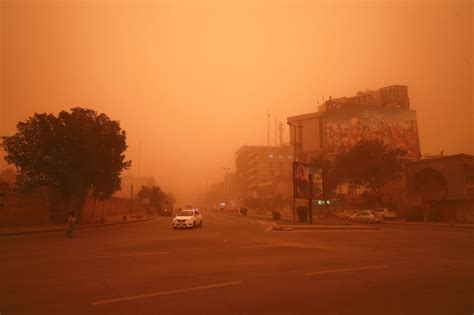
point(126, 255)
point(265, 246)
point(457, 260)
point(344, 270)
point(144, 296)
point(268, 229)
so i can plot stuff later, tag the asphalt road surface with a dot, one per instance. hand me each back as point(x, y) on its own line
point(234, 265)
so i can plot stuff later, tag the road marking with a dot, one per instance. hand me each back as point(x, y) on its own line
point(264, 246)
point(344, 270)
point(144, 296)
point(458, 260)
point(126, 255)
point(269, 229)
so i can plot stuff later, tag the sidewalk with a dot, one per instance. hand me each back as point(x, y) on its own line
point(46, 228)
point(443, 225)
point(313, 227)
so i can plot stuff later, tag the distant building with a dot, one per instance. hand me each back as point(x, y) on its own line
point(383, 114)
point(445, 185)
point(264, 172)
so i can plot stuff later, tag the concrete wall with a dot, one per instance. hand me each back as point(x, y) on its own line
point(27, 209)
point(33, 209)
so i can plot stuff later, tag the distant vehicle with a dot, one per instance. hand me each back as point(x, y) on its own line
point(188, 218)
point(165, 211)
point(366, 216)
point(386, 213)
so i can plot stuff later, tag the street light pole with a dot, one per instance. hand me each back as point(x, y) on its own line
point(294, 160)
point(225, 187)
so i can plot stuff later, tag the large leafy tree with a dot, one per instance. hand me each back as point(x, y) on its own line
point(76, 153)
point(371, 163)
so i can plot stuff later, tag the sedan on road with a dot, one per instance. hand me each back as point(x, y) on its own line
point(366, 216)
point(188, 219)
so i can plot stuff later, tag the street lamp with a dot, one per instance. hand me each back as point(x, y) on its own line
point(225, 186)
point(294, 160)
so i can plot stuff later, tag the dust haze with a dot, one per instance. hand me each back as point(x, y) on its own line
point(193, 81)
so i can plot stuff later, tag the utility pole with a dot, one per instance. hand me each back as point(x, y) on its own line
point(294, 161)
point(268, 128)
point(139, 158)
point(225, 187)
point(131, 200)
point(275, 127)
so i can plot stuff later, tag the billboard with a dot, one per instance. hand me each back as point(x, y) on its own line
point(302, 174)
point(395, 127)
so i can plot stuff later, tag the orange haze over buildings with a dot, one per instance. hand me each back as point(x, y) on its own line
point(193, 81)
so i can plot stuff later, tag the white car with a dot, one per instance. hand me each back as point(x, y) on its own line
point(188, 218)
point(386, 213)
point(366, 216)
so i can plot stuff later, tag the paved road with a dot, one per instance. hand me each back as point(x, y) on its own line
point(235, 265)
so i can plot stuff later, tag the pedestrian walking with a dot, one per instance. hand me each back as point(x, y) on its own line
point(71, 219)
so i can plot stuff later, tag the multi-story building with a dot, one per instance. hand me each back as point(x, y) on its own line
point(339, 123)
point(264, 172)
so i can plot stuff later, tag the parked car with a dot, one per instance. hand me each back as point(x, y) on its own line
point(366, 216)
point(386, 213)
point(345, 214)
point(188, 218)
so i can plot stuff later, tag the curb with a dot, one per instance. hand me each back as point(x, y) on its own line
point(325, 228)
point(62, 229)
point(431, 225)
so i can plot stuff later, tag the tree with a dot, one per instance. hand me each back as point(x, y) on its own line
point(372, 164)
point(75, 153)
point(156, 196)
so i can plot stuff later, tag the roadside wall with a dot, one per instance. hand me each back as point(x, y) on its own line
point(35, 208)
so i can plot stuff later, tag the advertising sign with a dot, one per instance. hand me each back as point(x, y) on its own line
point(302, 174)
point(395, 127)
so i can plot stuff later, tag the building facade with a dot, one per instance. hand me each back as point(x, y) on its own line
point(264, 173)
point(339, 123)
point(442, 185)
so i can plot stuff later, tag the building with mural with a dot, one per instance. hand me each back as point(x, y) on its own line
point(339, 123)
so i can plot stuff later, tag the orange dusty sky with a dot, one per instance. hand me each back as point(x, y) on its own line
point(193, 80)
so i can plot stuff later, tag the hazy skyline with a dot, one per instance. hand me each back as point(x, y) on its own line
point(193, 81)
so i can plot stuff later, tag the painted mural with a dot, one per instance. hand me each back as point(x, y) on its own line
point(396, 128)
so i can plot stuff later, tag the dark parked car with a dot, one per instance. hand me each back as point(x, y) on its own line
point(166, 212)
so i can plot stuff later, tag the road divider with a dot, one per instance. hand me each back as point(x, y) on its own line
point(171, 292)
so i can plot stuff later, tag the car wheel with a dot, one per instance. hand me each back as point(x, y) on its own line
point(194, 224)
point(200, 223)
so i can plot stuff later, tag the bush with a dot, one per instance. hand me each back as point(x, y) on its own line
point(276, 215)
point(302, 213)
point(244, 211)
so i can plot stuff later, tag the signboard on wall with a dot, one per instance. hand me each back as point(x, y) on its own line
point(302, 174)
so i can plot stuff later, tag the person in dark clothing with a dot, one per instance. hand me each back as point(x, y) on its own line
point(71, 219)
